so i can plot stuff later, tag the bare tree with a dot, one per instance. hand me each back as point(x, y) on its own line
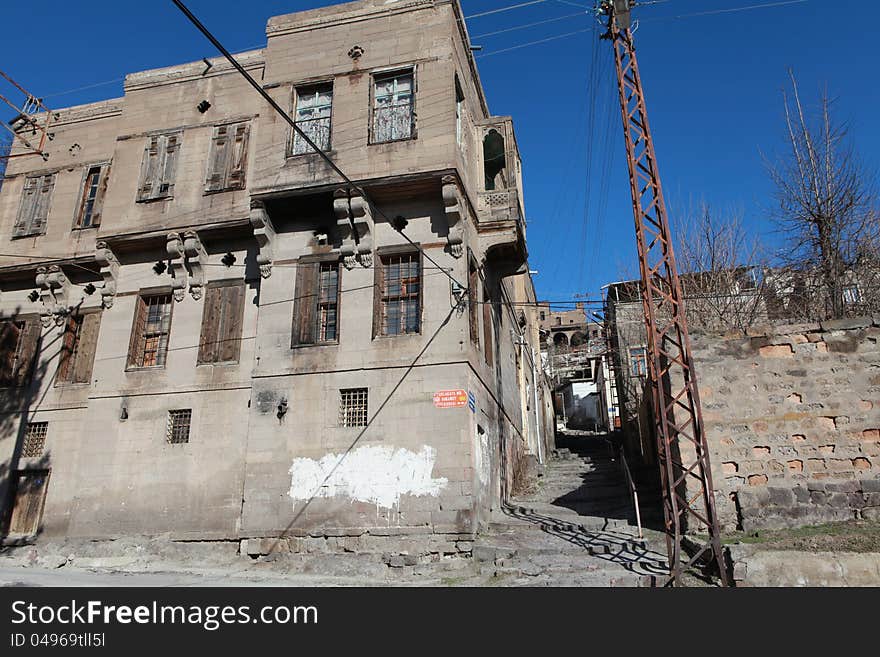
point(721, 266)
point(826, 206)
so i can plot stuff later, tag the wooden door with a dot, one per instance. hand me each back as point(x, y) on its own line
point(30, 494)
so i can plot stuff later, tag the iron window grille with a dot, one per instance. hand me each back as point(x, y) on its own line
point(35, 439)
point(179, 422)
point(314, 106)
point(401, 294)
point(393, 116)
point(328, 290)
point(152, 329)
point(852, 295)
point(353, 407)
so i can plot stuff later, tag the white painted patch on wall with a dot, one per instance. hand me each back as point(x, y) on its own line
point(379, 474)
point(482, 458)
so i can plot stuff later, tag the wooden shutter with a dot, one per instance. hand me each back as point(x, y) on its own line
point(219, 155)
point(233, 310)
point(305, 303)
point(210, 325)
point(29, 342)
point(87, 343)
point(137, 332)
point(488, 331)
point(149, 168)
point(169, 170)
point(238, 157)
point(473, 317)
point(41, 211)
point(10, 334)
point(378, 290)
point(98, 207)
point(68, 348)
point(26, 209)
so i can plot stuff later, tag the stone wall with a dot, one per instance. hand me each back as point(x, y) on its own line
point(792, 417)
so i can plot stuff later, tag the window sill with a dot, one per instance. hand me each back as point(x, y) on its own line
point(393, 141)
point(294, 156)
point(78, 228)
point(221, 363)
point(315, 344)
point(222, 191)
point(72, 384)
point(383, 336)
point(154, 200)
point(145, 368)
point(21, 237)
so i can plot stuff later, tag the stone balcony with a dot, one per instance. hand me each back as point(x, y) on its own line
point(500, 218)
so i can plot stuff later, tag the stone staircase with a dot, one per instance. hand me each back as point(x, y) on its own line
point(576, 527)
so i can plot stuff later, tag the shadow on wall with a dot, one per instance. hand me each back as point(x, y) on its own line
point(26, 466)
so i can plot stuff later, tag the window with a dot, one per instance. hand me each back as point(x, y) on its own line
point(34, 209)
point(353, 407)
point(88, 214)
point(473, 316)
point(227, 164)
point(543, 315)
point(316, 303)
point(393, 115)
point(149, 335)
point(78, 348)
point(19, 340)
point(638, 361)
point(220, 340)
point(314, 107)
point(399, 297)
point(459, 111)
point(177, 429)
point(852, 295)
point(158, 167)
point(34, 439)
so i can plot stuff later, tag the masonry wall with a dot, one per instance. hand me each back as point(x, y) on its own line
point(792, 418)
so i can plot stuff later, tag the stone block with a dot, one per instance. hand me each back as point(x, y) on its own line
point(776, 351)
point(782, 497)
point(870, 485)
point(846, 324)
point(842, 486)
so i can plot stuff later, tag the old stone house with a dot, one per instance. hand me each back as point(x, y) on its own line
point(206, 334)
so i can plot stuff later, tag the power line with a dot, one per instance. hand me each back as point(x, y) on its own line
point(732, 10)
point(352, 186)
point(503, 9)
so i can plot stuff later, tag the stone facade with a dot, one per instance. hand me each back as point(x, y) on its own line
point(792, 417)
point(267, 453)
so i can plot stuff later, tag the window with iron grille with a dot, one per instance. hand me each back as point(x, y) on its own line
point(88, 213)
point(638, 358)
point(179, 422)
point(852, 295)
point(152, 327)
point(393, 116)
point(353, 407)
point(328, 289)
point(401, 294)
point(35, 439)
point(314, 106)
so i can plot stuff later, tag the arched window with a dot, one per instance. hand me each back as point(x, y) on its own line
point(494, 162)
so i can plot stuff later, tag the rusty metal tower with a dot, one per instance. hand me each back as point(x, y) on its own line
point(30, 125)
point(683, 456)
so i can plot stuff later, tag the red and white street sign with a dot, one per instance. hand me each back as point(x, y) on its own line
point(450, 399)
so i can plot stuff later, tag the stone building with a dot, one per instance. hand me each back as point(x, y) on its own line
point(207, 334)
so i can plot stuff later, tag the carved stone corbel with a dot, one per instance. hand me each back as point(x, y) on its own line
point(264, 233)
point(354, 224)
point(362, 221)
point(344, 228)
point(196, 256)
point(176, 267)
point(109, 265)
point(453, 204)
point(54, 289)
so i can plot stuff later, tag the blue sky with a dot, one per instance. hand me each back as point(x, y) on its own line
point(713, 85)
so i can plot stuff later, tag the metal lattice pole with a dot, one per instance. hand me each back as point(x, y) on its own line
point(686, 478)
